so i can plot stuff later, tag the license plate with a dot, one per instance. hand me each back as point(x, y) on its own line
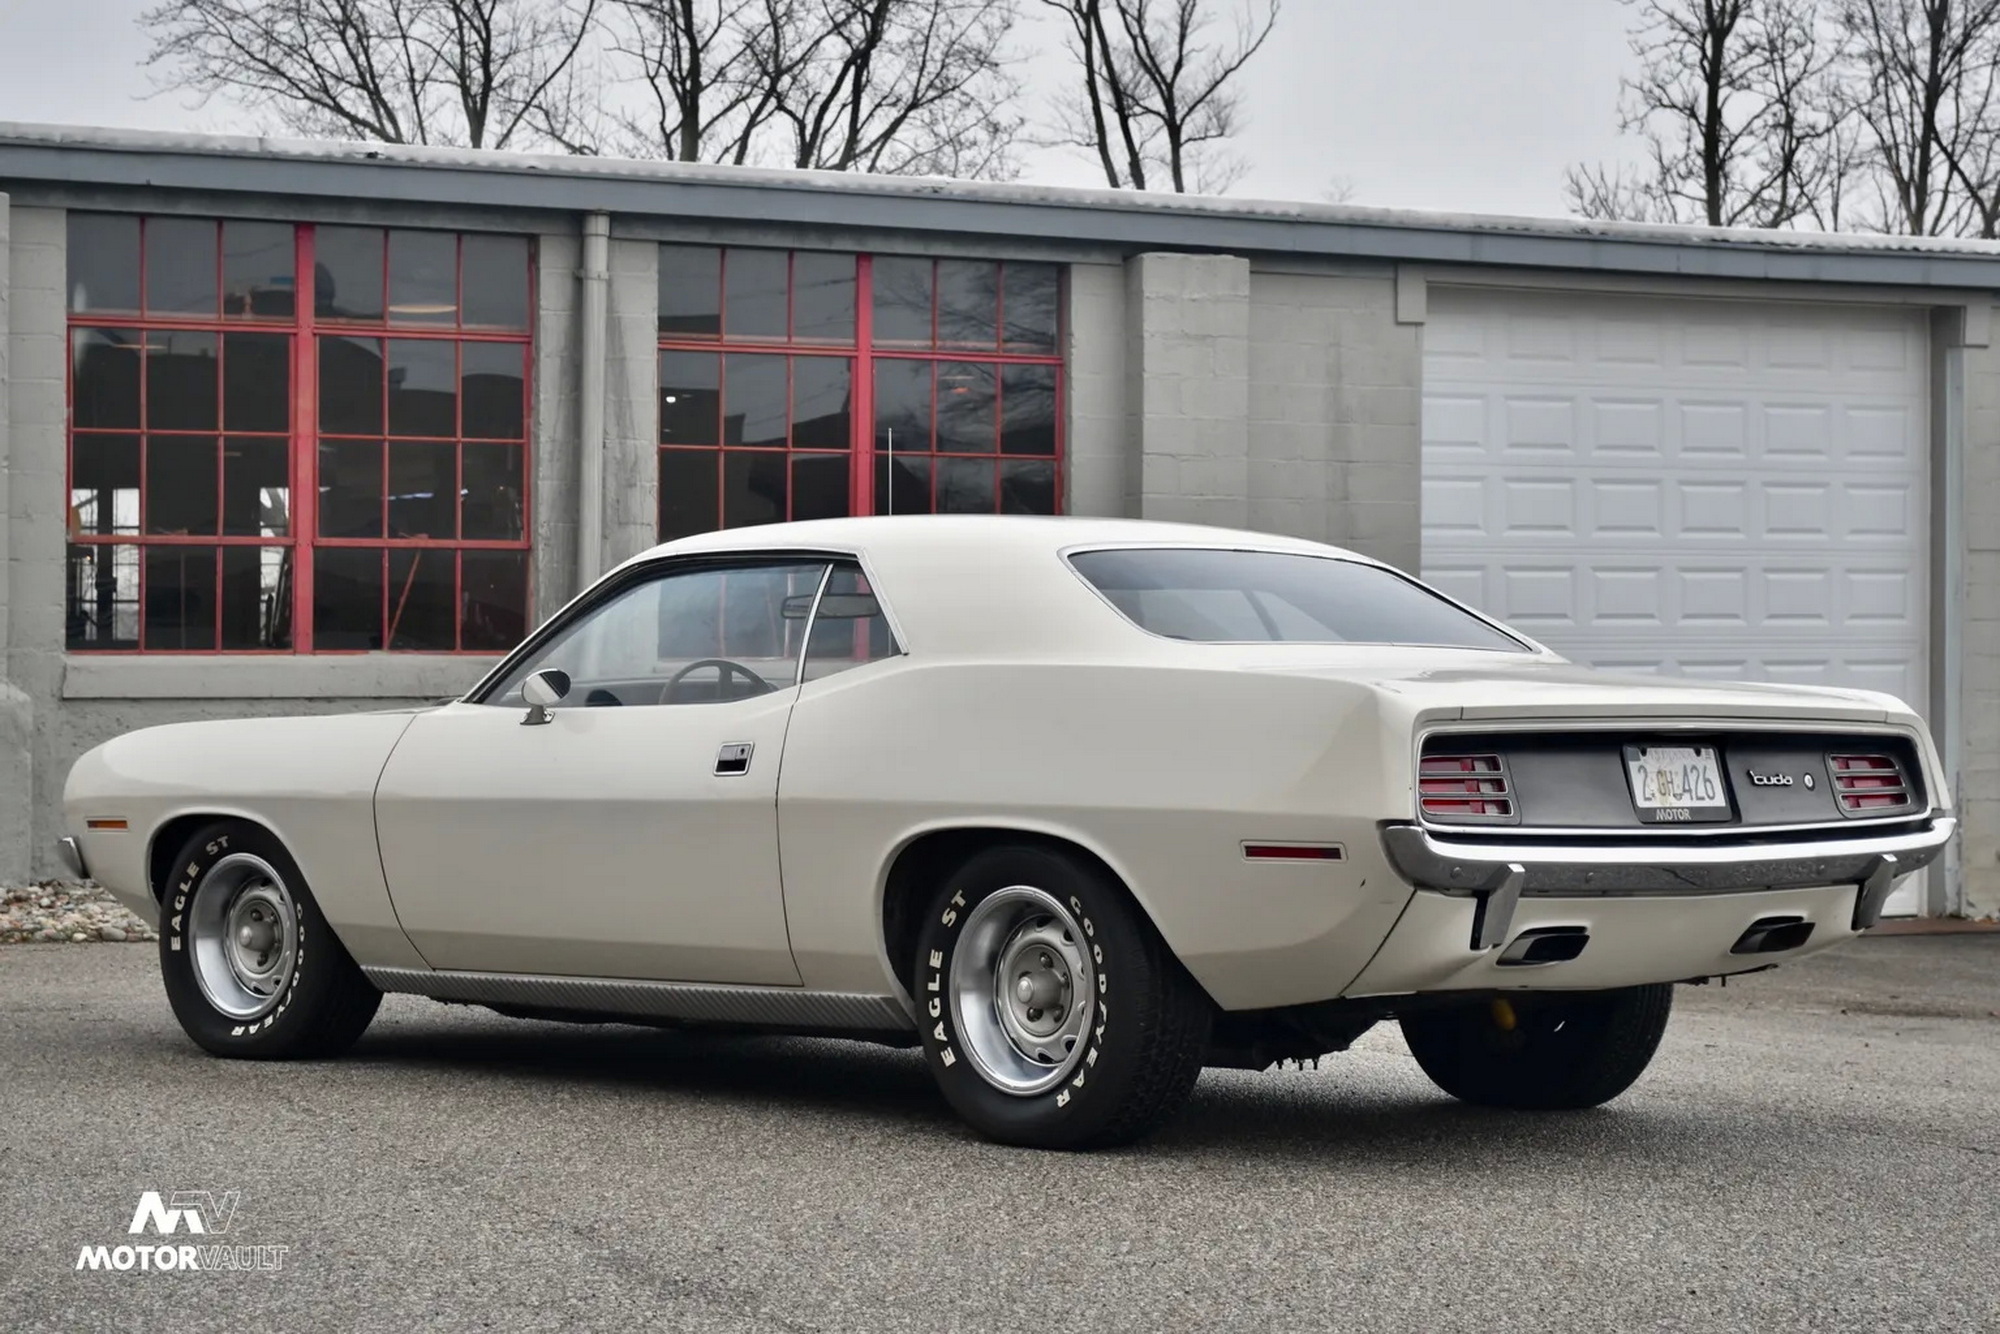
point(1671, 784)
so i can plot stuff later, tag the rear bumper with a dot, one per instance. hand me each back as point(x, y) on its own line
point(1500, 873)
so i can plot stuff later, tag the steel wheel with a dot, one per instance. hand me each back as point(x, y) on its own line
point(243, 932)
point(1023, 990)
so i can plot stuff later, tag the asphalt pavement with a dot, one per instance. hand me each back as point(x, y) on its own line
point(1816, 1148)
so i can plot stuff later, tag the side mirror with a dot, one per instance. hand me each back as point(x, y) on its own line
point(541, 690)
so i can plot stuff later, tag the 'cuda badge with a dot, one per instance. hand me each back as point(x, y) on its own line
point(1773, 780)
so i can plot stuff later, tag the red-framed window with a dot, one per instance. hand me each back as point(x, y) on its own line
point(296, 438)
point(815, 384)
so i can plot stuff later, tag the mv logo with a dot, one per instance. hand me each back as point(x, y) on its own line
point(202, 1211)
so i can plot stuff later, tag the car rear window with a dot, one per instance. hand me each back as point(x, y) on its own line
point(1224, 597)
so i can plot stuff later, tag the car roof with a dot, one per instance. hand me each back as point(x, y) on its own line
point(904, 535)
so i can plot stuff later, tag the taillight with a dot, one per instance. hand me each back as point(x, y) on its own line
point(1464, 787)
point(1867, 783)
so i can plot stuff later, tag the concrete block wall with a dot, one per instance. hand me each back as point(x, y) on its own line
point(558, 256)
point(1187, 388)
point(1094, 437)
point(632, 404)
point(1336, 390)
point(1978, 794)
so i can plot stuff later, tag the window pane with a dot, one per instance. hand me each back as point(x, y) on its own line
point(256, 598)
point(350, 488)
point(822, 391)
point(104, 263)
point(819, 486)
point(1336, 601)
point(257, 382)
point(347, 273)
point(753, 489)
point(690, 398)
point(1033, 298)
point(347, 598)
point(423, 490)
point(903, 302)
point(1027, 487)
point(257, 263)
point(422, 589)
point(753, 283)
point(912, 483)
point(105, 377)
point(491, 484)
point(181, 380)
point(1028, 410)
point(859, 634)
point(256, 489)
point(104, 484)
point(965, 486)
point(687, 492)
point(423, 277)
point(822, 297)
point(496, 282)
point(423, 387)
point(968, 303)
point(180, 267)
point(903, 405)
point(180, 597)
point(494, 599)
point(350, 386)
point(101, 603)
point(181, 489)
point(966, 422)
point(754, 401)
point(494, 383)
point(690, 291)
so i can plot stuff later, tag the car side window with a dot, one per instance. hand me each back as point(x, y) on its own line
point(691, 636)
point(850, 628)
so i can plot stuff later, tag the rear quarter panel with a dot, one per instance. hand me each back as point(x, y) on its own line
point(1161, 771)
point(310, 780)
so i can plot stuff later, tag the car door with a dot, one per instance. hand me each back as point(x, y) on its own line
point(630, 830)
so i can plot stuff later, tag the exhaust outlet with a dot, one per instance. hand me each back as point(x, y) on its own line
point(1545, 945)
point(1773, 935)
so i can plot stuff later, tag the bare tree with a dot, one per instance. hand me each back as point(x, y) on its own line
point(476, 73)
point(1732, 103)
point(706, 96)
point(1159, 93)
point(1919, 76)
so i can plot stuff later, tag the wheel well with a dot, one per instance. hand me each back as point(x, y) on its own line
point(924, 864)
point(167, 842)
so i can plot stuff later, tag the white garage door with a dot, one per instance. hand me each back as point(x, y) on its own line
point(1712, 488)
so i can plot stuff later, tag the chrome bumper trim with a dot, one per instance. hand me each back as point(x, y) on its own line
point(71, 853)
point(1498, 872)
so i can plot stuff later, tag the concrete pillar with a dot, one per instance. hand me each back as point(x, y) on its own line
point(1187, 377)
point(632, 403)
point(16, 715)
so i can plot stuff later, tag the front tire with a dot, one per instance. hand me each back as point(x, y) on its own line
point(1545, 1051)
point(251, 968)
point(1053, 1015)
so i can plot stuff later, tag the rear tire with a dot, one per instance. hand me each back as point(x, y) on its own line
point(1053, 1016)
point(251, 968)
point(1546, 1051)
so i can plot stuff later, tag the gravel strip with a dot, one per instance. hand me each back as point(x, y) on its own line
point(56, 912)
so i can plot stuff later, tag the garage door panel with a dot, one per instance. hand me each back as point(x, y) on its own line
point(1709, 488)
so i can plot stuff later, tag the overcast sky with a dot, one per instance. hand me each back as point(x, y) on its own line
point(1448, 104)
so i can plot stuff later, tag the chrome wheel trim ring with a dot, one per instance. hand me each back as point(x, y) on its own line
point(1023, 990)
point(243, 934)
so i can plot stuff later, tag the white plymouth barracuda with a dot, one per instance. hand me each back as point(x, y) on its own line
point(1078, 806)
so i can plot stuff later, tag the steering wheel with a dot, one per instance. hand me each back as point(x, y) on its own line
point(727, 669)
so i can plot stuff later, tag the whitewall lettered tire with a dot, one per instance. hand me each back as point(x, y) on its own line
point(251, 967)
point(1053, 1015)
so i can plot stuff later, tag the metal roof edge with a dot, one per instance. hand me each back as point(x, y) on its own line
point(56, 156)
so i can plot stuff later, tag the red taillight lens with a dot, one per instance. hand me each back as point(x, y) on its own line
point(1464, 786)
point(1869, 782)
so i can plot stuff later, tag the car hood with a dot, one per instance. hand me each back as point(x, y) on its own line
point(1487, 685)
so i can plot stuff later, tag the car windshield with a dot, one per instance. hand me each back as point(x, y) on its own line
point(1222, 597)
